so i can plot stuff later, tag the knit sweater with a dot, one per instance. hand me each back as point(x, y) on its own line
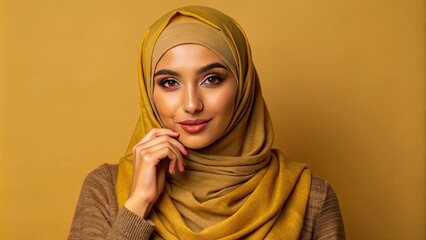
point(97, 215)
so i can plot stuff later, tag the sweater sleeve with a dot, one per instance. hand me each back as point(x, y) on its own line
point(329, 222)
point(97, 215)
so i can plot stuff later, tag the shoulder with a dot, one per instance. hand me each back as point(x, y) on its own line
point(319, 190)
point(97, 205)
point(103, 173)
point(322, 197)
point(323, 219)
point(317, 194)
point(99, 185)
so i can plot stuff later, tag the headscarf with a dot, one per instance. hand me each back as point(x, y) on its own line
point(237, 187)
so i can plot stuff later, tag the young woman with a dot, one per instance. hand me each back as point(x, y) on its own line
point(200, 163)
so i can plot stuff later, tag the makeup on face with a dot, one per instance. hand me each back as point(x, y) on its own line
point(194, 94)
point(194, 126)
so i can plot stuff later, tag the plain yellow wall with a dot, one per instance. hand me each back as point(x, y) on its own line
point(344, 82)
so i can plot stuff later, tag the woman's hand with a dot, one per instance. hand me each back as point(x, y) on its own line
point(151, 156)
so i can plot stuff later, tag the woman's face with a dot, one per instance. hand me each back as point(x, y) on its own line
point(194, 93)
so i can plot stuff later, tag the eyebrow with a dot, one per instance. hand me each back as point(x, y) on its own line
point(211, 66)
point(199, 71)
point(166, 72)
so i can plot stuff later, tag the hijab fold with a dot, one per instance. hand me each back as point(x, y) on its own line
point(237, 187)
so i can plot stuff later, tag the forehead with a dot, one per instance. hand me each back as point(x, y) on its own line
point(187, 56)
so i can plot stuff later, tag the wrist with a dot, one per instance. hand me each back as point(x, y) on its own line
point(138, 207)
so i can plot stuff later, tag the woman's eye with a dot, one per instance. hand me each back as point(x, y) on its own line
point(169, 83)
point(212, 80)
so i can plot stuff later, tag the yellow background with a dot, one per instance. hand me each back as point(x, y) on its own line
point(344, 82)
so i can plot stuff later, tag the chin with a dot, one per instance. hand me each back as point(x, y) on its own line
point(195, 143)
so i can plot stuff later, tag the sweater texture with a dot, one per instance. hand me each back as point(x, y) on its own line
point(97, 215)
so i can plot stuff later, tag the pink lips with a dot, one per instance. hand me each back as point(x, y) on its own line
point(194, 126)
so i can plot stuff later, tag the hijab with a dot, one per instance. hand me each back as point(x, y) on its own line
point(238, 186)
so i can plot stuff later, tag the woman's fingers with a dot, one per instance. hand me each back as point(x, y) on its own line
point(160, 151)
point(155, 139)
point(156, 135)
point(163, 138)
point(156, 132)
point(149, 172)
point(157, 152)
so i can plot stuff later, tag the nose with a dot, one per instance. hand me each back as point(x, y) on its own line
point(192, 100)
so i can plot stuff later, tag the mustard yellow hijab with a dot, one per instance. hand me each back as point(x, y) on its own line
point(237, 187)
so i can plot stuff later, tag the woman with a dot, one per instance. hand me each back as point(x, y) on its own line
point(200, 164)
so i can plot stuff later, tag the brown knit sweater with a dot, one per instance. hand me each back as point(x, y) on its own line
point(97, 215)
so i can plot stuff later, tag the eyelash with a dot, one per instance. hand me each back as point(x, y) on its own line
point(171, 83)
point(166, 81)
point(217, 80)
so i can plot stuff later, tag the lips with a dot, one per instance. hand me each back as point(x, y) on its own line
point(194, 126)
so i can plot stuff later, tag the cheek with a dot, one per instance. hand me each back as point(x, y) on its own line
point(223, 102)
point(165, 105)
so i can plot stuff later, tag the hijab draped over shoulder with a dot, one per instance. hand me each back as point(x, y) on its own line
point(237, 187)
